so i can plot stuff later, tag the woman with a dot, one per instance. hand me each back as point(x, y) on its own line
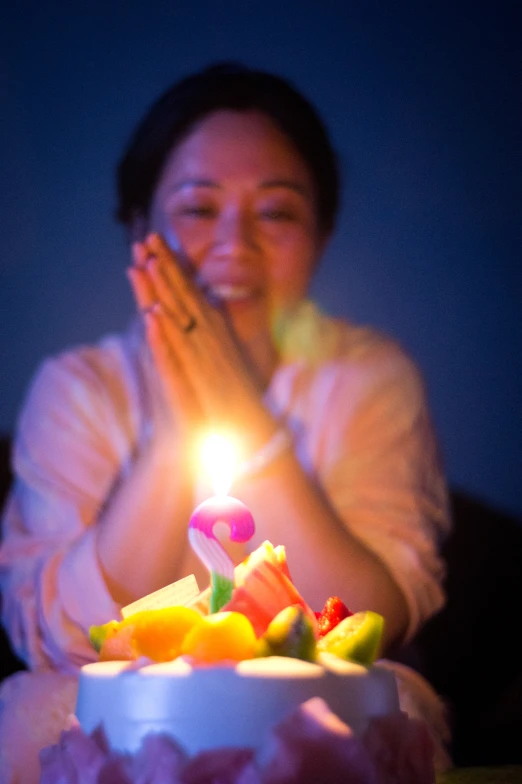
point(229, 191)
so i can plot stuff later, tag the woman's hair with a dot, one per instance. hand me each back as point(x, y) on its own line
point(225, 86)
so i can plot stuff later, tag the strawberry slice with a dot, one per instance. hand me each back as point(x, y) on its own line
point(332, 613)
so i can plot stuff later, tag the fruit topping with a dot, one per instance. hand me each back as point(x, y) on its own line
point(290, 633)
point(220, 637)
point(357, 638)
point(264, 592)
point(159, 634)
point(119, 645)
point(333, 612)
point(98, 634)
point(265, 616)
point(266, 552)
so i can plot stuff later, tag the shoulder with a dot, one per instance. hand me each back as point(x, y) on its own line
point(85, 368)
point(346, 359)
point(88, 362)
point(81, 390)
point(381, 361)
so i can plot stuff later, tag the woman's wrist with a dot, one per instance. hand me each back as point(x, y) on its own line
point(266, 455)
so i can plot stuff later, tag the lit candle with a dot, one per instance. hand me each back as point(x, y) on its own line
point(219, 458)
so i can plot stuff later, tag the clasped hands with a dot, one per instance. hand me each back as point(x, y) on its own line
point(207, 380)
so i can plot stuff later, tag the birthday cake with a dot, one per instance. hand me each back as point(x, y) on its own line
point(246, 667)
point(207, 708)
point(226, 678)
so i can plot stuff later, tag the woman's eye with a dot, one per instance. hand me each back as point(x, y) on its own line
point(196, 211)
point(276, 214)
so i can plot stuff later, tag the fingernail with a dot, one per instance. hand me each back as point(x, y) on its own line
point(152, 309)
point(137, 254)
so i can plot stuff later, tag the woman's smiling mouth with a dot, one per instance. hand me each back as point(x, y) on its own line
point(232, 292)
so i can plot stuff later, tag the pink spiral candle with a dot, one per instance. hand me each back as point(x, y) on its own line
point(219, 509)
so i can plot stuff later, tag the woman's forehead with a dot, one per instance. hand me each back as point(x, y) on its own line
point(232, 144)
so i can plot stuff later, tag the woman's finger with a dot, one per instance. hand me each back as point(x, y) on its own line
point(164, 357)
point(177, 277)
point(139, 253)
point(142, 287)
point(170, 299)
point(168, 366)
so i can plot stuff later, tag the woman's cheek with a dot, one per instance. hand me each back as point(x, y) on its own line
point(191, 238)
point(293, 272)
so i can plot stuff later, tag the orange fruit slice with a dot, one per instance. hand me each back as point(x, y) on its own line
point(159, 634)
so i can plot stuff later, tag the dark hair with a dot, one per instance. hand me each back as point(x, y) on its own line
point(220, 87)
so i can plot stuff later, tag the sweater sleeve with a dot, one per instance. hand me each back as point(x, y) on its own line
point(382, 471)
point(66, 460)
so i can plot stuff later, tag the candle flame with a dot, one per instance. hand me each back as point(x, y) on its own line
point(219, 455)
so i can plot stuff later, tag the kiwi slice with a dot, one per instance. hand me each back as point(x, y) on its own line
point(357, 638)
point(291, 634)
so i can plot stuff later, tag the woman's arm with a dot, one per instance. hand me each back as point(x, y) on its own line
point(368, 525)
point(141, 536)
point(325, 558)
point(81, 475)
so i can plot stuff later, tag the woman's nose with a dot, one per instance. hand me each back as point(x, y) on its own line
point(234, 233)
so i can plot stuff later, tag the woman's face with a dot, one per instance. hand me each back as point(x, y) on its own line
point(238, 201)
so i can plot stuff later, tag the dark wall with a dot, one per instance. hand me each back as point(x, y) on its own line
point(422, 101)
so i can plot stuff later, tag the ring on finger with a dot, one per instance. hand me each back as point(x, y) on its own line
point(190, 325)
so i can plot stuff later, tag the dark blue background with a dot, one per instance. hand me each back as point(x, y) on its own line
point(422, 101)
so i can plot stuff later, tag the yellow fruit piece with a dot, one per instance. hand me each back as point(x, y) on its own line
point(159, 634)
point(221, 636)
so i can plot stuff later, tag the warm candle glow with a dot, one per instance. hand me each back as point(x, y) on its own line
point(219, 456)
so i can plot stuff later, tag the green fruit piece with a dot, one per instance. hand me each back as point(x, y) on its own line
point(221, 591)
point(291, 634)
point(98, 634)
point(357, 638)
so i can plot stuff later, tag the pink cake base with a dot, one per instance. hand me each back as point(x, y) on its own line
point(309, 747)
